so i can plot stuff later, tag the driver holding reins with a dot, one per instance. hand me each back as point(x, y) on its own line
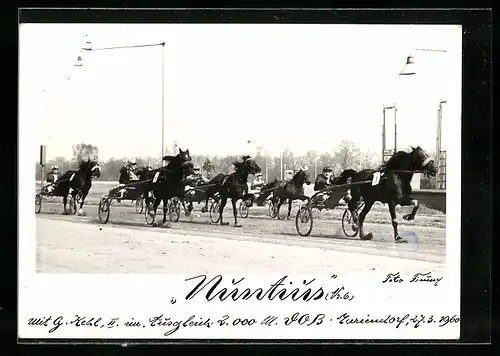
point(127, 175)
point(324, 181)
point(51, 179)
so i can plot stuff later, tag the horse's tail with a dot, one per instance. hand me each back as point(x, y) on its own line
point(345, 177)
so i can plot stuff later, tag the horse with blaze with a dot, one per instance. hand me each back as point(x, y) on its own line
point(77, 181)
point(393, 189)
point(233, 186)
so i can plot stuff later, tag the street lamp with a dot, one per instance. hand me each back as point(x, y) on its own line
point(409, 69)
point(388, 153)
point(88, 48)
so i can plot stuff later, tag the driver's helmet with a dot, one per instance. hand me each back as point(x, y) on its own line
point(258, 175)
point(196, 169)
point(132, 162)
point(327, 171)
point(54, 168)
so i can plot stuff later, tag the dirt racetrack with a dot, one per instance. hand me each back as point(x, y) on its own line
point(72, 244)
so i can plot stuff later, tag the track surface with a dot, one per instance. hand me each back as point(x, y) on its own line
point(71, 244)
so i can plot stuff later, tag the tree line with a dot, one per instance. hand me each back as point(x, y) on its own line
point(345, 155)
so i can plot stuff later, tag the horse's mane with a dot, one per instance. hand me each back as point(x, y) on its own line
point(238, 165)
point(84, 164)
point(399, 160)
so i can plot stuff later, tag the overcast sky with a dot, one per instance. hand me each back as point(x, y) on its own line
point(304, 87)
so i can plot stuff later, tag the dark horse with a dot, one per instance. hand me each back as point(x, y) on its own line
point(266, 191)
point(167, 182)
point(77, 181)
point(291, 190)
point(394, 187)
point(232, 186)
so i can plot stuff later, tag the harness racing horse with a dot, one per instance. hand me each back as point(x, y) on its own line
point(167, 182)
point(394, 189)
point(232, 186)
point(291, 190)
point(266, 191)
point(77, 181)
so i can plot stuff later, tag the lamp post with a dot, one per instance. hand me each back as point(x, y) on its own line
point(88, 48)
point(384, 151)
point(409, 69)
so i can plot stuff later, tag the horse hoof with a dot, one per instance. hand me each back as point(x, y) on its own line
point(288, 217)
point(66, 212)
point(167, 225)
point(237, 225)
point(224, 223)
point(408, 217)
point(400, 240)
point(367, 237)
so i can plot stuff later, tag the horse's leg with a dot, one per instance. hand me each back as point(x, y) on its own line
point(156, 202)
point(165, 210)
point(205, 208)
point(361, 219)
point(222, 205)
point(392, 211)
point(84, 195)
point(65, 201)
point(290, 201)
point(408, 201)
point(280, 202)
point(235, 213)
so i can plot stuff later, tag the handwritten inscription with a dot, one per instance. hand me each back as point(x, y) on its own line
point(215, 289)
point(421, 278)
point(170, 325)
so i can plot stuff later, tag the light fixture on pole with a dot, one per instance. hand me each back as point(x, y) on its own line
point(88, 48)
point(385, 152)
point(409, 68)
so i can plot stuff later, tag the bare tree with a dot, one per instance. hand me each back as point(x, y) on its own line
point(347, 155)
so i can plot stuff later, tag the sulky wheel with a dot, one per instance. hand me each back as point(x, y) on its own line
point(304, 221)
point(150, 214)
point(104, 210)
point(174, 210)
point(38, 203)
point(214, 211)
point(72, 206)
point(243, 209)
point(139, 205)
point(350, 228)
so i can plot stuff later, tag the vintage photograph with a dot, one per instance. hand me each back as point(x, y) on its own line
point(242, 181)
point(177, 148)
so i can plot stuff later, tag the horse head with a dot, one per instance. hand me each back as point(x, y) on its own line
point(344, 176)
point(422, 161)
point(90, 168)
point(180, 163)
point(302, 176)
point(249, 166)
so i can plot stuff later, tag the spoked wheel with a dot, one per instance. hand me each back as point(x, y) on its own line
point(174, 210)
point(304, 221)
point(38, 203)
point(150, 214)
point(139, 205)
point(72, 205)
point(272, 210)
point(243, 209)
point(104, 210)
point(214, 212)
point(350, 228)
